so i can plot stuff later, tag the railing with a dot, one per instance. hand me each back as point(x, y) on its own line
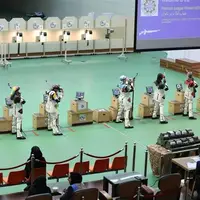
point(80, 155)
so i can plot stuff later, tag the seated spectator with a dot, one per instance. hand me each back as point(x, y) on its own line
point(39, 186)
point(38, 155)
point(75, 181)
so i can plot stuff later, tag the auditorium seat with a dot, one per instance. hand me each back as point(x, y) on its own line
point(169, 187)
point(59, 171)
point(40, 197)
point(118, 163)
point(91, 194)
point(15, 177)
point(82, 168)
point(101, 165)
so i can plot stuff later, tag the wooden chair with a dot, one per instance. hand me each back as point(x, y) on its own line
point(40, 197)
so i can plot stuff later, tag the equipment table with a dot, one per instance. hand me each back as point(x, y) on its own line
point(117, 179)
point(183, 164)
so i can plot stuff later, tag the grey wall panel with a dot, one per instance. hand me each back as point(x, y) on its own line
point(62, 8)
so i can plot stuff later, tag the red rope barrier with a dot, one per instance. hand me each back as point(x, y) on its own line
point(2, 169)
point(101, 157)
point(53, 163)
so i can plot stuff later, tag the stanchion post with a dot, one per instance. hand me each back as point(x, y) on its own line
point(138, 193)
point(81, 161)
point(161, 165)
point(126, 156)
point(32, 168)
point(134, 157)
point(145, 163)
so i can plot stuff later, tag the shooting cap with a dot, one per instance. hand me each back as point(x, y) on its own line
point(189, 74)
point(15, 89)
point(160, 76)
point(122, 78)
point(56, 87)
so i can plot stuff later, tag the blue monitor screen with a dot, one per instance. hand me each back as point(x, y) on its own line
point(179, 87)
point(80, 95)
point(8, 101)
point(116, 92)
point(149, 90)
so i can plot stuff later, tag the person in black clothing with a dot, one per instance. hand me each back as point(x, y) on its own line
point(75, 181)
point(39, 186)
point(38, 156)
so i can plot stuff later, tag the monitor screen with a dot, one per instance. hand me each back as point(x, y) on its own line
point(167, 24)
point(45, 98)
point(179, 87)
point(116, 92)
point(80, 95)
point(149, 90)
point(8, 101)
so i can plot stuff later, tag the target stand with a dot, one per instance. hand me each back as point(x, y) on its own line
point(3, 61)
point(122, 56)
point(65, 60)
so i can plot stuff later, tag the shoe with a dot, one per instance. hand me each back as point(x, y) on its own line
point(14, 133)
point(49, 129)
point(154, 117)
point(192, 118)
point(127, 127)
point(56, 134)
point(163, 122)
point(185, 115)
point(120, 121)
point(21, 138)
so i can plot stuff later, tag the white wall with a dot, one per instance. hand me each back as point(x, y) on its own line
point(62, 8)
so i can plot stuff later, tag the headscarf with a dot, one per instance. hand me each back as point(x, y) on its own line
point(35, 150)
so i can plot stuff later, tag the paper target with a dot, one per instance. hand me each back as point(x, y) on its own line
point(86, 24)
point(36, 26)
point(53, 25)
point(17, 26)
point(103, 23)
point(69, 24)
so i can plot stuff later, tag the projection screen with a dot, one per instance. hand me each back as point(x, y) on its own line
point(167, 24)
